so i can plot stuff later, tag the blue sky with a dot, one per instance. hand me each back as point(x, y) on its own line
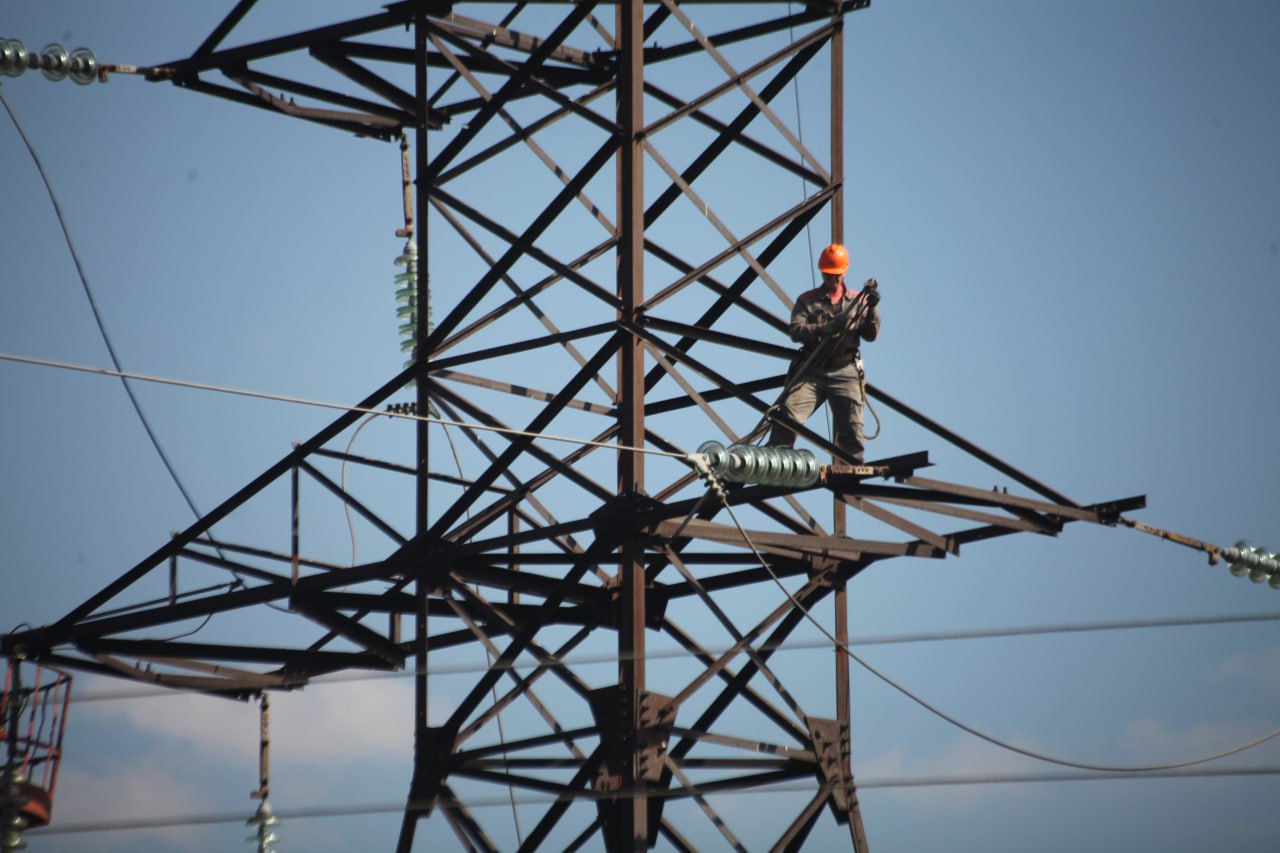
point(1074, 215)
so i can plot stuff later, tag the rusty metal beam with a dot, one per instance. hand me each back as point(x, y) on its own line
point(207, 59)
point(625, 822)
point(402, 116)
point(357, 73)
point(536, 59)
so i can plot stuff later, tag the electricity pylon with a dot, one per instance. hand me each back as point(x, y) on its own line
point(601, 193)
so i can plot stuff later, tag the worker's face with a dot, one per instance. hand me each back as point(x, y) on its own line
point(832, 280)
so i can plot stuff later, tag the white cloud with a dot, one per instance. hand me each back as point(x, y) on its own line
point(211, 727)
point(1152, 741)
point(343, 720)
point(325, 721)
point(961, 758)
point(1261, 667)
point(142, 788)
point(170, 754)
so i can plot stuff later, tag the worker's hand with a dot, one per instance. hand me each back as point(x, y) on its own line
point(833, 326)
point(871, 292)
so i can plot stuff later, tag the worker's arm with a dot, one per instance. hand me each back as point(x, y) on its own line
point(870, 328)
point(806, 325)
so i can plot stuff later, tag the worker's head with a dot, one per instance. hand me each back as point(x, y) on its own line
point(834, 260)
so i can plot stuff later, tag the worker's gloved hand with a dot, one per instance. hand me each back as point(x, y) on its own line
point(833, 326)
point(871, 292)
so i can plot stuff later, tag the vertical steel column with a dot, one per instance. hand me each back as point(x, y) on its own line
point(837, 236)
point(513, 564)
point(423, 312)
point(423, 754)
point(295, 525)
point(844, 713)
point(633, 812)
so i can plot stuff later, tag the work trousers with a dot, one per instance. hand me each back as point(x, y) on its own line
point(842, 388)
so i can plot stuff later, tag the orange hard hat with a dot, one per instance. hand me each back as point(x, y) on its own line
point(834, 259)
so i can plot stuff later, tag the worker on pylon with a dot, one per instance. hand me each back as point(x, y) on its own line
point(830, 322)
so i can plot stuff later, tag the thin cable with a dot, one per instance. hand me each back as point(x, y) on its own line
point(964, 726)
point(351, 525)
point(360, 809)
point(102, 328)
point(790, 646)
point(488, 656)
point(684, 457)
point(457, 460)
point(143, 605)
point(97, 315)
point(804, 187)
point(284, 398)
point(192, 632)
point(862, 387)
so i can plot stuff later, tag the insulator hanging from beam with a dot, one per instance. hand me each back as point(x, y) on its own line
point(407, 297)
point(263, 820)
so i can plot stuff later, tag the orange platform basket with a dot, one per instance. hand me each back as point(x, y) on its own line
point(33, 717)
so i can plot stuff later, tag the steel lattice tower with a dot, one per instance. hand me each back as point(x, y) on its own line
point(618, 291)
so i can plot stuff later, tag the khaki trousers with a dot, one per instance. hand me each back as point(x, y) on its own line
point(842, 388)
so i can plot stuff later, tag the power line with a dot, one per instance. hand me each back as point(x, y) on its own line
point(1066, 628)
point(362, 809)
point(102, 330)
point(886, 679)
point(284, 398)
point(746, 538)
point(831, 638)
point(97, 315)
point(991, 739)
point(797, 645)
